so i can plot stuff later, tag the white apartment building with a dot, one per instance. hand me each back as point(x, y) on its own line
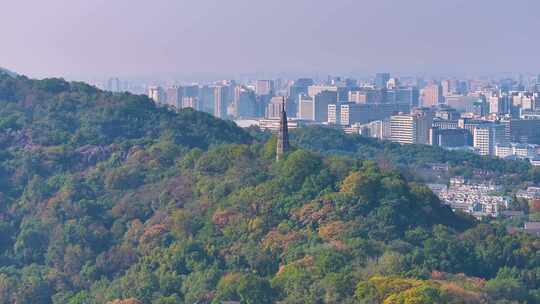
point(486, 137)
point(404, 129)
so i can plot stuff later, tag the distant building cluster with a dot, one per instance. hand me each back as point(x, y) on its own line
point(479, 200)
point(492, 117)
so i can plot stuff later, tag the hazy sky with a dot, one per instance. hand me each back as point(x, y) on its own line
point(180, 37)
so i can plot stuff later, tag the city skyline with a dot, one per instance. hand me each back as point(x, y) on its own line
point(213, 39)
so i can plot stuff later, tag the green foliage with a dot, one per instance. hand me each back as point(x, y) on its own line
point(107, 197)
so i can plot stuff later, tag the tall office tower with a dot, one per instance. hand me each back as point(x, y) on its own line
point(348, 113)
point(404, 129)
point(113, 85)
point(343, 93)
point(264, 87)
point(524, 101)
point(174, 96)
point(408, 96)
point(469, 125)
point(486, 136)
point(345, 113)
point(411, 128)
point(305, 108)
point(351, 113)
point(245, 102)
point(316, 89)
point(424, 117)
point(446, 87)
point(432, 95)
point(274, 107)
point(381, 79)
point(191, 91)
point(206, 99)
point(334, 113)
point(483, 140)
point(282, 145)
point(320, 105)
point(495, 105)
point(366, 96)
point(462, 88)
point(157, 94)
point(299, 87)
point(523, 130)
point(304, 82)
point(220, 101)
point(449, 138)
point(471, 104)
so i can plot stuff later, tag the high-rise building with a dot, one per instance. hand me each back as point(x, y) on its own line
point(191, 91)
point(174, 96)
point(495, 104)
point(403, 129)
point(409, 96)
point(411, 128)
point(157, 94)
point(316, 89)
point(264, 87)
point(366, 96)
point(274, 107)
point(424, 117)
point(483, 140)
point(220, 101)
point(282, 145)
point(299, 87)
point(486, 136)
point(305, 108)
point(446, 90)
point(450, 87)
point(432, 95)
point(448, 138)
point(334, 113)
point(245, 102)
point(320, 105)
point(349, 113)
point(381, 79)
point(206, 99)
point(471, 104)
point(523, 130)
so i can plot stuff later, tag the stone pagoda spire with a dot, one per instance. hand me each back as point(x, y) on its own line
point(283, 135)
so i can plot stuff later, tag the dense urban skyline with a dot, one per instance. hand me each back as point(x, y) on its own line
point(167, 38)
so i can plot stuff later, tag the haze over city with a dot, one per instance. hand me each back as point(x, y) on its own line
point(166, 38)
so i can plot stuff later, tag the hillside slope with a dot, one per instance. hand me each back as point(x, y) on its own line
point(107, 197)
point(7, 72)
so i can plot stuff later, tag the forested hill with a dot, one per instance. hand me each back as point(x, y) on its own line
point(108, 198)
point(52, 112)
point(7, 72)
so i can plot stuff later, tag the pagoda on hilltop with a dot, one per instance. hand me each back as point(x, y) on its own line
point(282, 145)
